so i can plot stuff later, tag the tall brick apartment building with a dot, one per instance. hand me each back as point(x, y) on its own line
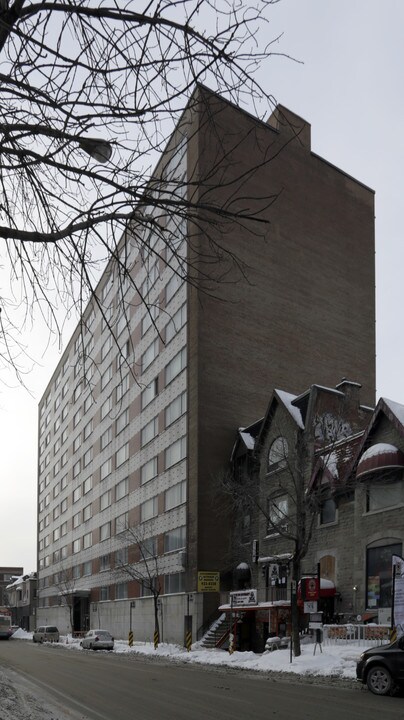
point(298, 303)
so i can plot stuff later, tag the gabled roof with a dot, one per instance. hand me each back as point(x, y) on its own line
point(394, 412)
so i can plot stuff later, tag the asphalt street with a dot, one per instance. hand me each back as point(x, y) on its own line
point(103, 686)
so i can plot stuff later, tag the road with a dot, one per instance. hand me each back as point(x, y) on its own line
point(102, 686)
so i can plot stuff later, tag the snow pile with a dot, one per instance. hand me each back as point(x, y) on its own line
point(334, 660)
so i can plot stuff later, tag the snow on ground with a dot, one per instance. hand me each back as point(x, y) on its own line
point(20, 701)
point(334, 660)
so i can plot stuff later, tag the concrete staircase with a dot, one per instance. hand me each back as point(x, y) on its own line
point(218, 633)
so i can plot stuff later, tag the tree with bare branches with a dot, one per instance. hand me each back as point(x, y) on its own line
point(141, 561)
point(90, 92)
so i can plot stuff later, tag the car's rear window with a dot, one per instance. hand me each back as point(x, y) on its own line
point(104, 635)
point(52, 629)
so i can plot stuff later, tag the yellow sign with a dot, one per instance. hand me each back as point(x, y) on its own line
point(208, 581)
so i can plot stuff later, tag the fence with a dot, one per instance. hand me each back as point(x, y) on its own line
point(353, 634)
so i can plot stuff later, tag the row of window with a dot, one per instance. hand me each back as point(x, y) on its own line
point(173, 454)
point(173, 497)
point(174, 583)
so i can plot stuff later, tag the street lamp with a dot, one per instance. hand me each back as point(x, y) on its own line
point(100, 150)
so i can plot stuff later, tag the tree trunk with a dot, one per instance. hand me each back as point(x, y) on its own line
point(295, 611)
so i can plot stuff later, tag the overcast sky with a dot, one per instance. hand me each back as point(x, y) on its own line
point(349, 86)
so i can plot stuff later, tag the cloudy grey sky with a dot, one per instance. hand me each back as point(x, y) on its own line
point(349, 86)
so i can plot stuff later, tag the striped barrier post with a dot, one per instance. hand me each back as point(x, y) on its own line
point(156, 639)
point(188, 640)
point(130, 638)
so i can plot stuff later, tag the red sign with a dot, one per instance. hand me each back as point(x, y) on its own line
point(310, 588)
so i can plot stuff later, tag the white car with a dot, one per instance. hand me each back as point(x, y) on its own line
point(98, 640)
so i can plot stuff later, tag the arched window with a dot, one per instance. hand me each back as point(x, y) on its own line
point(278, 454)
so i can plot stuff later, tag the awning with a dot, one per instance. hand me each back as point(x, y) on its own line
point(327, 589)
point(381, 456)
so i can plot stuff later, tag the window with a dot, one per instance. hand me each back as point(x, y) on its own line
point(175, 452)
point(88, 402)
point(177, 321)
point(175, 539)
point(65, 435)
point(176, 408)
point(175, 495)
point(150, 318)
point(87, 512)
point(77, 494)
point(379, 573)
point(106, 377)
point(88, 429)
point(149, 431)
point(65, 412)
point(385, 491)
point(150, 279)
point(172, 286)
point(64, 459)
point(105, 469)
point(106, 347)
point(104, 593)
point(87, 457)
point(106, 438)
point(63, 505)
point(121, 591)
point(77, 418)
point(105, 500)
point(63, 482)
point(76, 572)
point(121, 523)
point(104, 562)
point(106, 407)
point(122, 323)
point(278, 454)
point(56, 490)
point(176, 365)
point(87, 540)
point(174, 583)
point(149, 393)
point(328, 511)
point(87, 485)
point(64, 552)
point(149, 470)
point(277, 514)
point(76, 468)
point(122, 455)
point(77, 519)
point(150, 354)
point(105, 531)
point(148, 509)
point(150, 546)
point(121, 489)
point(122, 388)
point(87, 568)
point(56, 534)
point(121, 557)
point(76, 546)
point(56, 512)
point(122, 421)
point(77, 392)
point(76, 443)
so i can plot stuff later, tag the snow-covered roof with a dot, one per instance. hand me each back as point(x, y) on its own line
point(378, 449)
point(248, 440)
point(286, 398)
point(396, 408)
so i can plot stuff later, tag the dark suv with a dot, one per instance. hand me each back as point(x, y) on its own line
point(382, 668)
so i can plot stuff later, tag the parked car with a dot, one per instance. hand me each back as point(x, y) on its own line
point(98, 640)
point(46, 633)
point(382, 668)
